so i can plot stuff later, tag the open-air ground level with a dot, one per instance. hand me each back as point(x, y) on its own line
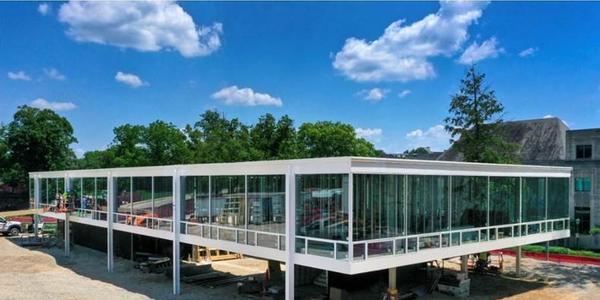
point(44, 273)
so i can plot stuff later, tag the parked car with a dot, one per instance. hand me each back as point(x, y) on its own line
point(8, 227)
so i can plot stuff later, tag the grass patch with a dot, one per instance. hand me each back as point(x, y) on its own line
point(560, 250)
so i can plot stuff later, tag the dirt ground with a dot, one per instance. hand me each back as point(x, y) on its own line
point(46, 274)
point(540, 280)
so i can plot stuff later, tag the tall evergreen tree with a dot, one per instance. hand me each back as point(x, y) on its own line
point(475, 122)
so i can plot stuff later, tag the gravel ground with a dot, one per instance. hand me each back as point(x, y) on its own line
point(46, 274)
point(540, 280)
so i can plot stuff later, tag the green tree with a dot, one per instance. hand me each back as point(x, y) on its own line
point(214, 138)
point(475, 122)
point(166, 144)
point(324, 139)
point(97, 159)
point(274, 139)
point(129, 147)
point(36, 140)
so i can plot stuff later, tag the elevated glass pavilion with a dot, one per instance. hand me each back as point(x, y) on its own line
point(347, 214)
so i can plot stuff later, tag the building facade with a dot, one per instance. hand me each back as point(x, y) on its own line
point(349, 215)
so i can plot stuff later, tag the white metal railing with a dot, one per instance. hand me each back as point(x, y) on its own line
point(398, 245)
point(144, 221)
point(90, 214)
point(235, 234)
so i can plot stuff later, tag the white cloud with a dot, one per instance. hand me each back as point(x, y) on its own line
point(44, 9)
point(374, 94)
point(478, 52)
point(141, 25)
point(528, 52)
point(436, 138)
point(368, 133)
point(19, 75)
point(56, 106)
point(53, 73)
point(404, 93)
point(131, 80)
point(245, 97)
point(548, 116)
point(401, 53)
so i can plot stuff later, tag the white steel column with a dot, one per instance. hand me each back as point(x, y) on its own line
point(290, 230)
point(36, 203)
point(110, 195)
point(351, 218)
point(176, 231)
point(67, 216)
point(518, 262)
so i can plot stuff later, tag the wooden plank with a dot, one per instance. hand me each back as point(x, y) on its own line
point(24, 212)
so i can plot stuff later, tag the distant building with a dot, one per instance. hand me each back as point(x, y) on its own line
point(550, 142)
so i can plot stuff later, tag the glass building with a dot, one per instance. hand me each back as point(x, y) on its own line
point(347, 214)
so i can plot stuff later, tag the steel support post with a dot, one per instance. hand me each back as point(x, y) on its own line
point(110, 260)
point(176, 229)
point(518, 262)
point(290, 230)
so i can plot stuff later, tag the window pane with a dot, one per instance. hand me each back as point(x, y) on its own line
point(142, 198)
point(558, 198)
point(123, 198)
point(228, 200)
point(504, 200)
point(196, 199)
point(102, 193)
point(75, 193)
point(88, 200)
point(378, 206)
point(534, 199)
point(322, 206)
point(469, 202)
point(266, 203)
point(427, 204)
point(163, 197)
point(52, 192)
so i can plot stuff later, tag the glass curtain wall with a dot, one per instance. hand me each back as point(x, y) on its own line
point(427, 204)
point(534, 199)
point(504, 200)
point(322, 206)
point(558, 198)
point(123, 195)
point(266, 203)
point(44, 191)
point(75, 193)
point(228, 197)
point(378, 208)
point(31, 193)
point(88, 198)
point(196, 199)
point(102, 193)
point(142, 197)
point(163, 197)
point(469, 202)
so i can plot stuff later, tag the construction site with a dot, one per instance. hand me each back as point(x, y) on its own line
point(222, 230)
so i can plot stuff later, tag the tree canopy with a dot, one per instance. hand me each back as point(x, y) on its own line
point(36, 139)
point(474, 122)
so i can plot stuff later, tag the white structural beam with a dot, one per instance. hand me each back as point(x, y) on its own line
point(176, 231)
point(290, 229)
point(110, 255)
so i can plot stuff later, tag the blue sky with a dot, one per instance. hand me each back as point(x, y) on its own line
point(105, 64)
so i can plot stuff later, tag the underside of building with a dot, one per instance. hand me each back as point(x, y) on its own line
point(348, 215)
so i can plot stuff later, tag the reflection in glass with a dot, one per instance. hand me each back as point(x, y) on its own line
point(534, 199)
point(504, 200)
point(322, 206)
point(163, 197)
point(196, 199)
point(378, 206)
point(228, 200)
point(558, 198)
point(123, 195)
point(427, 204)
point(469, 202)
point(266, 203)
